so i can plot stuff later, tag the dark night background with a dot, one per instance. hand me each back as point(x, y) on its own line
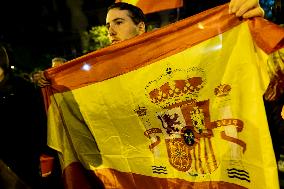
point(35, 31)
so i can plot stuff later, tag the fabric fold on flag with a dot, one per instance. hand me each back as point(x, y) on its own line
point(179, 107)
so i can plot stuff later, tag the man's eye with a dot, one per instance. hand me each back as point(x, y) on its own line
point(119, 22)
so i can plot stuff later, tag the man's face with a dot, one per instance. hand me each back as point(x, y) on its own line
point(121, 26)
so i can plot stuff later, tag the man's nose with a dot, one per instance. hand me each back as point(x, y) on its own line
point(111, 31)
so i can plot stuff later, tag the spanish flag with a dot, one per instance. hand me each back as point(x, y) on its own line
point(151, 6)
point(179, 107)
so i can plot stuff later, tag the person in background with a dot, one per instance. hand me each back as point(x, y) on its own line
point(274, 113)
point(274, 105)
point(38, 77)
point(57, 61)
point(21, 119)
point(49, 162)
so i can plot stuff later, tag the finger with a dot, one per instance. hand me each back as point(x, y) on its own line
point(254, 12)
point(231, 5)
point(43, 84)
point(235, 5)
point(267, 97)
point(270, 95)
point(43, 81)
point(245, 7)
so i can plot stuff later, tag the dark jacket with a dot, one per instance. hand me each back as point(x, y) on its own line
point(276, 123)
point(21, 134)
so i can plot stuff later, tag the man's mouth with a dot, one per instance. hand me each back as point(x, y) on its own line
point(113, 41)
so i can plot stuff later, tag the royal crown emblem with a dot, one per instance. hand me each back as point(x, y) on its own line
point(171, 92)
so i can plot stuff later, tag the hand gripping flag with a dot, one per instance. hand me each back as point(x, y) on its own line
point(179, 107)
point(151, 6)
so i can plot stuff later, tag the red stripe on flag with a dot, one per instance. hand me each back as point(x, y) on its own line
point(158, 5)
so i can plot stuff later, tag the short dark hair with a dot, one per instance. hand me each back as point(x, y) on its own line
point(136, 14)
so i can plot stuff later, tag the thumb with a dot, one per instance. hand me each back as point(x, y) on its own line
point(258, 11)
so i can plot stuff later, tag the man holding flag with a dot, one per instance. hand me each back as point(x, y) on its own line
point(133, 94)
point(243, 8)
point(125, 21)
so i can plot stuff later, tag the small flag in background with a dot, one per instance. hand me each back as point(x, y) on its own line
point(151, 6)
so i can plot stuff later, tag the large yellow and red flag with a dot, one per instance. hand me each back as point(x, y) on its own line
point(179, 107)
point(151, 6)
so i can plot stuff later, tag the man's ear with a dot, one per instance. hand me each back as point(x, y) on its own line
point(141, 28)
